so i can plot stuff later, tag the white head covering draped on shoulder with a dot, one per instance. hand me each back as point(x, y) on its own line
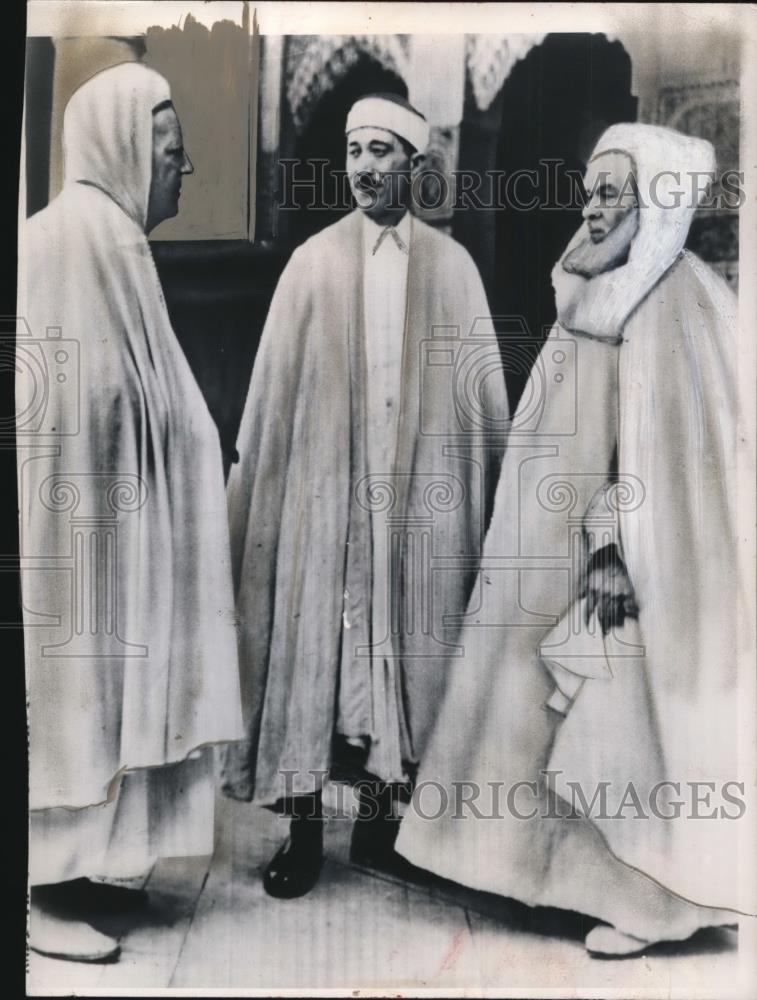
point(672, 172)
point(107, 134)
point(141, 668)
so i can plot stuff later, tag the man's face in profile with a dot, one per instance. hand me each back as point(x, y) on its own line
point(379, 167)
point(611, 214)
point(611, 194)
point(169, 163)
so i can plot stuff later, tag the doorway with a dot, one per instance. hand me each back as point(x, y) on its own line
point(555, 104)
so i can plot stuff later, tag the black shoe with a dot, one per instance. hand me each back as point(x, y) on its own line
point(375, 832)
point(294, 869)
point(376, 826)
point(372, 843)
point(372, 846)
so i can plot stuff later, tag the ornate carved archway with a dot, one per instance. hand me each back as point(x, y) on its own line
point(490, 59)
point(314, 64)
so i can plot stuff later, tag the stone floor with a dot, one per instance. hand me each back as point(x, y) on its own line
point(210, 926)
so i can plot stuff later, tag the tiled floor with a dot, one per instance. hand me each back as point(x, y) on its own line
point(210, 926)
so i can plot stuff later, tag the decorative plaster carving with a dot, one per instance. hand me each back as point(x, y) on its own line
point(490, 59)
point(314, 64)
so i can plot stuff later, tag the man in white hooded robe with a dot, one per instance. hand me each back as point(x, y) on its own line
point(609, 667)
point(126, 581)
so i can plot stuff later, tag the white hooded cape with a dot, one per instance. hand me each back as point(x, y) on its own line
point(650, 355)
point(126, 582)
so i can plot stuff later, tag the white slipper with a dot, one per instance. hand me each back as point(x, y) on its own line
point(607, 942)
point(73, 940)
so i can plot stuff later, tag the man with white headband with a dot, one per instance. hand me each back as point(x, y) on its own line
point(384, 134)
point(605, 699)
point(355, 471)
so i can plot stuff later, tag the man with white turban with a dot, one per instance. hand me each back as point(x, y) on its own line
point(358, 468)
point(126, 580)
point(594, 716)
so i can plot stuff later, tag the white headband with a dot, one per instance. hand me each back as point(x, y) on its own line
point(375, 112)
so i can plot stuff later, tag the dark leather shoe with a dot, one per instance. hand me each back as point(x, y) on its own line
point(374, 833)
point(376, 825)
point(372, 847)
point(372, 842)
point(375, 850)
point(294, 869)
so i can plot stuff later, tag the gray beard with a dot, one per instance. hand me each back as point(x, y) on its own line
point(590, 259)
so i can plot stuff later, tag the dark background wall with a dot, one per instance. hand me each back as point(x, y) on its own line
point(554, 105)
point(218, 293)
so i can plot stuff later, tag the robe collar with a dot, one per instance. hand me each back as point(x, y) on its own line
point(375, 234)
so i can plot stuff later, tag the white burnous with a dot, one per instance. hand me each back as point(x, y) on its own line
point(616, 665)
point(128, 607)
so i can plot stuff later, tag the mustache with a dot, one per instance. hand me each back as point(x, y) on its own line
point(370, 180)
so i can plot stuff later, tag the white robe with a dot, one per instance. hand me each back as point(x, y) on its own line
point(303, 507)
point(648, 370)
point(126, 582)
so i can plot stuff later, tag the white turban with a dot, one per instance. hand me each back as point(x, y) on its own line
point(379, 112)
